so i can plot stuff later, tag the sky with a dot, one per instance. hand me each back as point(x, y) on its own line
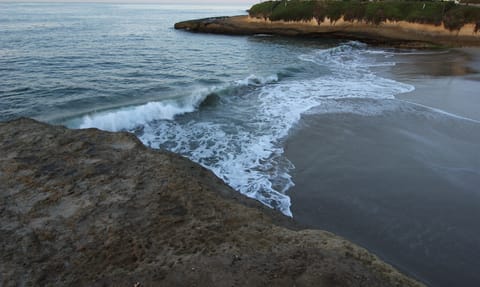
point(147, 1)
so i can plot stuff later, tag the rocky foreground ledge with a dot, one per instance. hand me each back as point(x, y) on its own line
point(92, 208)
point(400, 34)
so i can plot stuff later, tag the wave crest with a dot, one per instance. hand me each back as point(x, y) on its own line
point(132, 117)
point(129, 118)
point(239, 133)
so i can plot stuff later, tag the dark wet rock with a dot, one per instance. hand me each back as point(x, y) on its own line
point(93, 208)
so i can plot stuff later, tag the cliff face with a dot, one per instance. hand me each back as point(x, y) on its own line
point(91, 208)
point(392, 33)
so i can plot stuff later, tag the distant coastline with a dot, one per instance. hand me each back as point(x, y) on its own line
point(391, 33)
point(385, 23)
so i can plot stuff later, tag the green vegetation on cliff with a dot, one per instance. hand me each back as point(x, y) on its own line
point(451, 15)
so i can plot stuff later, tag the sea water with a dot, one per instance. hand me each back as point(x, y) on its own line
point(224, 102)
point(228, 103)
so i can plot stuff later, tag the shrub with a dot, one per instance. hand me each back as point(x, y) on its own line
point(451, 15)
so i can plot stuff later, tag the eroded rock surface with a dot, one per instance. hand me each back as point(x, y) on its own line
point(92, 208)
point(396, 34)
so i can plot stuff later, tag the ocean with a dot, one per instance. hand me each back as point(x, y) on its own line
point(237, 105)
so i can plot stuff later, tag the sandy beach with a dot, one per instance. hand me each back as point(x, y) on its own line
point(401, 181)
point(450, 84)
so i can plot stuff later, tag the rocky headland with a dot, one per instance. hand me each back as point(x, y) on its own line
point(93, 208)
point(402, 34)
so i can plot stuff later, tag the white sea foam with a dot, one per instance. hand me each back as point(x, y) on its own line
point(254, 80)
point(243, 158)
point(131, 117)
point(247, 152)
point(241, 139)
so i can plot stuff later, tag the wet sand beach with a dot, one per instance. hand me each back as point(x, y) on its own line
point(400, 177)
point(448, 81)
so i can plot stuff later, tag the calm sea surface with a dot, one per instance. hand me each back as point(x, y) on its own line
point(232, 103)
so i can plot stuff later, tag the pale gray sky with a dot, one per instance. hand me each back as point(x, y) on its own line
point(146, 1)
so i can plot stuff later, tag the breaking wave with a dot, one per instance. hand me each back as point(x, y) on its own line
point(129, 118)
point(240, 136)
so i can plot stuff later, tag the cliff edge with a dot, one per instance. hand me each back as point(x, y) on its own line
point(93, 208)
point(400, 34)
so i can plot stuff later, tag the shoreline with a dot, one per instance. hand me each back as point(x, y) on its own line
point(448, 86)
point(398, 34)
point(88, 207)
point(372, 178)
